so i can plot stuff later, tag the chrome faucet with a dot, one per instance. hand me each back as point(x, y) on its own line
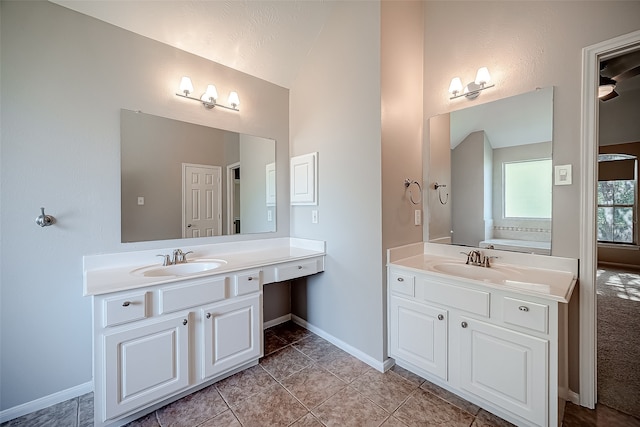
point(476, 257)
point(178, 257)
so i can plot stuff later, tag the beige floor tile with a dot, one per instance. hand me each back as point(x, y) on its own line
point(275, 406)
point(343, 365)
point(349, 408)
point(244, 384)
point(225, 419)
point(290, 332)
point(313, 385)
point(407, 375)
point(393, 422)
point(192, 409)
point(424, 409)
point(272, 342)
point(307, 421)
point(285, 362)
point(487, 419)
point(315, 347)
point(149, 420)
point(450, 397)
point(387, 390)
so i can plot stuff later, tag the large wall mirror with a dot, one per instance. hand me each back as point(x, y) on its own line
point(182, 180)
point(490, 174)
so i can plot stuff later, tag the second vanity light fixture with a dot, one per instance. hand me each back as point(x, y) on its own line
point(210, 98)
point(472, 90)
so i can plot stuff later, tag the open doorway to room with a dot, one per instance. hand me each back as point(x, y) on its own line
point(617, 281)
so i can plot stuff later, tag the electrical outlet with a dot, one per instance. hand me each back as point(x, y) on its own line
point(314, 216)
point(417, 217)
point(269, 215)
point(140, 200)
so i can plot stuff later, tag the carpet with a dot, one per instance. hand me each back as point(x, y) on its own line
point(618, 300)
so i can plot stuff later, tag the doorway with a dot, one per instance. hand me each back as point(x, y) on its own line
point(233, 198)
point(592, 57)
point(201, 200)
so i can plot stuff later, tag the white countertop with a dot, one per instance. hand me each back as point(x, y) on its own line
point(112, 272)
point(542, 276)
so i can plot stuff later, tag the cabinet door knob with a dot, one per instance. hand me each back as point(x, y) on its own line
point(208, 315)
point(126, 304)
point(400, 279)
point(464, 324)
point(250, 278)
point(440, 317)
point(523, 308)
point(185, 321)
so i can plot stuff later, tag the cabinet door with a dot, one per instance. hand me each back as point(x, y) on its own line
point(506, 368)
point(418, 335)
point(232, 334)
point(144, 364)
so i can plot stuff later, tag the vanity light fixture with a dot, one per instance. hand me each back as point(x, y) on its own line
point(472, 90)
point(209, 99)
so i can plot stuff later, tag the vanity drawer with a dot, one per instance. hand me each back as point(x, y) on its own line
point(292, 270)
point(527, 314)
point(179, 297)
point(402, 283)
point(469, 300)
point(125, 309)
point(247, 282)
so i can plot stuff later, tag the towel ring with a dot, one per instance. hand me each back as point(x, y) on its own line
point(407, 184)
point(437, 187)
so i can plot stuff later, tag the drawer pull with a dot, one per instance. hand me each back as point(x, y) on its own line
point(299, 267)
point(185, 321)
point(440, 317)
point(400, 279)
point(464, 324)
point(208, 315)
point(523, 308)
point(126, 304)
point(250, 278)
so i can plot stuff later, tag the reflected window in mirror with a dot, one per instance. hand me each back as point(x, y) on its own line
point(468, 149)
point(182, 180)
point(527, 189)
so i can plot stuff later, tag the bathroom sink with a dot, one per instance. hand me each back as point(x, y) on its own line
point(494, 274)
point(186, 269)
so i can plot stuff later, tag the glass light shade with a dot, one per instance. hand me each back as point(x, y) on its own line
point(482, 76)
point(211, 95)
point(234, 100)
point(604, 90)
point(455, 86)
point(186, 86)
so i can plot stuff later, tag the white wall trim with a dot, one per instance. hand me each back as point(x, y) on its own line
point(376, 364)
point(573, 397)
point(45, 402)
point(588, 174)
point(278, 320)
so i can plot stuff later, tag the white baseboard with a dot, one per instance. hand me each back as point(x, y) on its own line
point(376, 364)
point(276, 321)
point(45, 402)
point(573, 397)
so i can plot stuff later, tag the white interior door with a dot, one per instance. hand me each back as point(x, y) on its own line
point(202, 199)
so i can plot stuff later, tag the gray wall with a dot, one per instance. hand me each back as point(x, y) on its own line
point(346, 300)
point(65, 78)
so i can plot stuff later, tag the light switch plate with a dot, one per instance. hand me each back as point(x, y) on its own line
point(140, 200)
point(562, 175)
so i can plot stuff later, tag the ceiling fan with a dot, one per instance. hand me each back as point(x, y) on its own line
point(616, 70)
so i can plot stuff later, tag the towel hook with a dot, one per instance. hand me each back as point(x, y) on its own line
point(437, 187)
point(407, 184)
point(44, 220)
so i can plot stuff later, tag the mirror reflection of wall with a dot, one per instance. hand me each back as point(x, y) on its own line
point(495, 160)
point(184, 180)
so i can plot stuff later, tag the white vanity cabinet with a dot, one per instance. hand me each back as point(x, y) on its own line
point(495, 348)
point(157, 342)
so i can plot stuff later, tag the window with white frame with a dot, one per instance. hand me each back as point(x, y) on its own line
point(617, 198)
point(527, 189)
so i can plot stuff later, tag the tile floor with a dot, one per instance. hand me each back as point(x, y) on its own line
point(304, 380)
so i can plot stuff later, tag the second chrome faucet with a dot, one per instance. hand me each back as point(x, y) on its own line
point(476, 257)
